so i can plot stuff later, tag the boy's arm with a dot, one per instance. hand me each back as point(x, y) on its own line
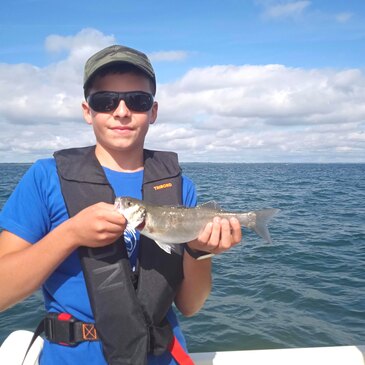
point(24, 267)
point(217, 237)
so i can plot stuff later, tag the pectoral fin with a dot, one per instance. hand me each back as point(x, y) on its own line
point(166, 247)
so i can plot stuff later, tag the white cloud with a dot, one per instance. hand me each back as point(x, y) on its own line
point(219, 113)
point(272, 112)
point(33, 95)
point(273, 94)
point(343, 17)
point(168, 56)
point(285, 10)
point(86, 42)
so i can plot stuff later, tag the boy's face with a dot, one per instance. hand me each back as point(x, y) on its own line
point(121, 130)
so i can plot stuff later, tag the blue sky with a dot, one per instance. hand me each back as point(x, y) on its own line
point(243, 81)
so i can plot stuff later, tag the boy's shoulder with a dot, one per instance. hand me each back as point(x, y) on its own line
point(41, 171)
point(44, 165)
point(48, 162)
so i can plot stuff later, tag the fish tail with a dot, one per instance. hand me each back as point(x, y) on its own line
point(262, 218)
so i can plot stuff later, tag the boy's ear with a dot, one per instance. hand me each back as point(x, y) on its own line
point(154, 112)
point(86, 112)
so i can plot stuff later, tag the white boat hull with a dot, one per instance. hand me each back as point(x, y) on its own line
point(336, 355)
point(13, 349)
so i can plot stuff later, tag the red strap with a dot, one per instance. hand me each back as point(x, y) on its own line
point(179, 353)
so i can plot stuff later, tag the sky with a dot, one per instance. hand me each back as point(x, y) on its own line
point(238, 80)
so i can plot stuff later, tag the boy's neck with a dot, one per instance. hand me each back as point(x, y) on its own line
point(124, 161)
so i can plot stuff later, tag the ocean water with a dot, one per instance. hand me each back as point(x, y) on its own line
point(306, 289)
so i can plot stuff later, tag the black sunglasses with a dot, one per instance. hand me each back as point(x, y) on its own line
point(108, 101)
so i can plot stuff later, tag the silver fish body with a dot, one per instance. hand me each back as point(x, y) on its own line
point(170, 225)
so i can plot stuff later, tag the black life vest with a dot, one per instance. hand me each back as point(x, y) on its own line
point(131, 322)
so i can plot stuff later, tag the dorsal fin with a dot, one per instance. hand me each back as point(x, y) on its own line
point(212, 204)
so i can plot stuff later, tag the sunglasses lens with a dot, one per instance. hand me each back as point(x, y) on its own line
point(139, 101)
point(105, 102)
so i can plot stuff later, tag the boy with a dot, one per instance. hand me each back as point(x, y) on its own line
point(61, 225)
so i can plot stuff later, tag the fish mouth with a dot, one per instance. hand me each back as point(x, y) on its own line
point(141, 226)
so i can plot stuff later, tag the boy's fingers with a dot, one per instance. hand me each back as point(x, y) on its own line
point(220, 235)
point(226, 240)
point(236, 230)
point(204, 236)
point(216, 234)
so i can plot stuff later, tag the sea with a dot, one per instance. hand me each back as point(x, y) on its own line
point(306, 289)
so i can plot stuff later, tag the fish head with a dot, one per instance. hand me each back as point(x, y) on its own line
point(133, 210)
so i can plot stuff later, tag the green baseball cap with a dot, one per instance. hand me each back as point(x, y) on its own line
point(118, 54)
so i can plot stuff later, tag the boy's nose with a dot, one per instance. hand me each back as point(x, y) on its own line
point(122, 109)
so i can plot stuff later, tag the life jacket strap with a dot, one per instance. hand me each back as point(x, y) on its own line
point(179, 353)
point(64, 329)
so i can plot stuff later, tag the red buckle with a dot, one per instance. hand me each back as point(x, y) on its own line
point(59, 328)
point(64, 317)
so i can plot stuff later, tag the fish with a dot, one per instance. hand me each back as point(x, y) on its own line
point(172, 225)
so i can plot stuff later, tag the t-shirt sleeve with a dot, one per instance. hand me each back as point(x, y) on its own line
point(25, 213)
point(189, 192)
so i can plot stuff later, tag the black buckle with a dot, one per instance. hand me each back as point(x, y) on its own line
point(60, 328)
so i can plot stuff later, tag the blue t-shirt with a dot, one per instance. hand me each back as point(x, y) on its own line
point(34, 209)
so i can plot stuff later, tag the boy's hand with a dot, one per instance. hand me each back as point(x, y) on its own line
point(96, 226)
point(218, 236)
